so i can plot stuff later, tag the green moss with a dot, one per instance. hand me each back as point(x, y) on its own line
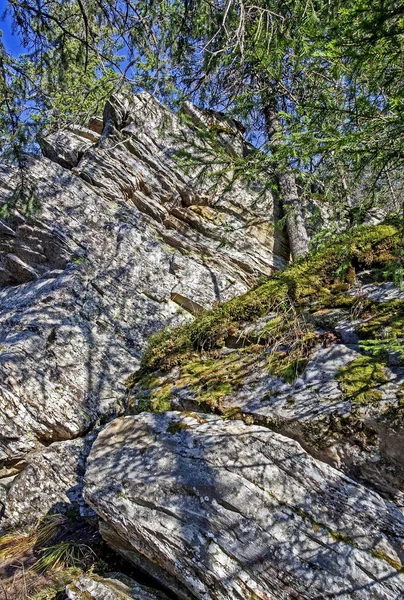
point(385, 319)
point(143, 405)
point(156, 399)
point(274, 328)
point(285, 366)
point(291, 364)
point(359, 379)
point(382, 333)
point(340, 537)
point(148, 382)
point(214, 395)
point(317, 281)
point(233, 413)
point(382, 349)
point(213, 379)
point(176, 427)
point(160, 398)
point(336, 535)
point(396, 564)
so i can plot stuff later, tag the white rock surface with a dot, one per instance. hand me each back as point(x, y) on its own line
point(114, 587)
point(218, 510)
point(51, 482)
point(124, 244)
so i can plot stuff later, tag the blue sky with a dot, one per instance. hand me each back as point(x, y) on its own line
point(10, 41)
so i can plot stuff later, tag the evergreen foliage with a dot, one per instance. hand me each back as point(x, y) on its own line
point(316, 86)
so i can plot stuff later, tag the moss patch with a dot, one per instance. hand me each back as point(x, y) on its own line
point(282, 364)
point(383, 556)
point(176, 427)
point(382, 334)
point(151, 394)
point(318, 281)
point(213, 379)
point(360, 378)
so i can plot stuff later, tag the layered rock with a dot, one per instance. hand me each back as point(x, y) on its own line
point(362, 439)
point(221, 510)
point(126, 242)
point(50, 482)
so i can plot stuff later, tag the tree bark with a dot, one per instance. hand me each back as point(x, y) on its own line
point(295, 225)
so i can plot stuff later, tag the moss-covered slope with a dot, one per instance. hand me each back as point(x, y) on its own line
point(322, 281)
point(316, 352)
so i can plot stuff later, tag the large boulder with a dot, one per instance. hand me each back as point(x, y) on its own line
point(223, 511)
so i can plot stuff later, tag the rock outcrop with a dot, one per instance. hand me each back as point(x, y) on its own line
point(293, 487)
point(325, 368)
point(220, 510)
point(126, 242)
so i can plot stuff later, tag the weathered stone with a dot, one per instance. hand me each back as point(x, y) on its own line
point(123, 246)
point(22, 271)
point(114, 587)
point(50, 482)
point(67, 147)
point(29, 251)
point(382, 292)
point(361, 439)
point(220, 510)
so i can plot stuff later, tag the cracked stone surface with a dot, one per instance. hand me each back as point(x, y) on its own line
point(125, 243)
point(51, 481)
point(223, 511)
point(362, 439)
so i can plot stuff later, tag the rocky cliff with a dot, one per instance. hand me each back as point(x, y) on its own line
point(129, 310)
point(126, 242)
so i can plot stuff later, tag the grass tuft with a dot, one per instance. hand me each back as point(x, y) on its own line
point(63, 555)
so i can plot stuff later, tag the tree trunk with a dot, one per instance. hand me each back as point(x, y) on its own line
point(295, 225)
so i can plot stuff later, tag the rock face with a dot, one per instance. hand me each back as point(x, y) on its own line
point(220, 510)
point(51, 481)
point(364, 440)
point(133, 237)
point(327, 371)
point(126, 242)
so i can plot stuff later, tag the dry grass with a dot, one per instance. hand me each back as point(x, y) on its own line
point(31, 567)
point(39, 564)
